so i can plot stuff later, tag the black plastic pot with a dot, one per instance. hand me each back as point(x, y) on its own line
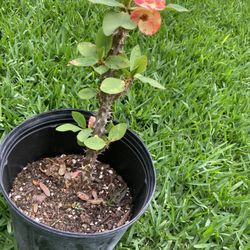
point(37, 138)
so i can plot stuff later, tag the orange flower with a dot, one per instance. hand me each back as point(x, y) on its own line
point(148, 20)
point(152, 4)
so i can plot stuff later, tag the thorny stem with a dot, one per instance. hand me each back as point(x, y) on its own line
point(105, 103)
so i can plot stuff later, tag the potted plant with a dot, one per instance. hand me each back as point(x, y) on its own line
point(82, 190)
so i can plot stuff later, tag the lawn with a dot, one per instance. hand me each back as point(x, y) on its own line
point(197, 130)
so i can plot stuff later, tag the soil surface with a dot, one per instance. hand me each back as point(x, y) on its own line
point(51, 192)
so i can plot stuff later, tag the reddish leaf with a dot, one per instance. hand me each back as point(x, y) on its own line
point(75, 174)
point(35, 208)
point(82, 196)
point(44, 189)
point(94, 194)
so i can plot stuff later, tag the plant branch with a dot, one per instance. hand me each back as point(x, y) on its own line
point(105, 100)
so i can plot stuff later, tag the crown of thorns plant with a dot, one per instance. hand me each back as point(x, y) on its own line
point(117, 69)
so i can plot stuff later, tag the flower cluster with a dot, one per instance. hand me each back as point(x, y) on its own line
point(147, 15)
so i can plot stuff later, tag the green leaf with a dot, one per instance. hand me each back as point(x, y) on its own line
point(140, 64)
point(117, 132)
point(204, 245)
point(87, 93)
point(79, 119)
point(101, 53)
point(109, 126)
point(112, 86)
point(95, 143)
point(176, 7)
point(68, 127)
point(87, 49)
point(150, 81)
point(111, 3)
point(209, 231)
point(101, 69)
point(103, 43)
point(135, 54)
point(117, 62)
point(84, 62)
point(127, 2)
point(9, 230)
point(84, 135)
point(112, 21)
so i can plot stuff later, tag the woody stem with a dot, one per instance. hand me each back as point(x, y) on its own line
point(105, 101)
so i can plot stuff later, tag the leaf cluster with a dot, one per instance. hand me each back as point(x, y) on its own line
point(85, 135)
point(99, 56)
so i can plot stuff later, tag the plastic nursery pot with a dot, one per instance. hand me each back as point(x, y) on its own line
point(37, 138)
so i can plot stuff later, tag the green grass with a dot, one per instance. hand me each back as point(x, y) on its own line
point(197, 130)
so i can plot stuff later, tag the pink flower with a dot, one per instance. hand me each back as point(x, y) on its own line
point(152, 4)
point(148, 20)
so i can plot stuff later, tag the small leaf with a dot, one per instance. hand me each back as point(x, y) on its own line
point(80, 143)
point(87, 49)
point(79, 119)
point(96, 201)
point(103, 43)
point(44, 189)
point(140, 64)
point(94, 194)
point(101, 53)
point(84, 62)
point(35, 208)
point(111, 3)
point(101, 69)
point(113, 21)
point(209, 231)
point(82, 196)
point(95, 143)
point(68, 127)
point(9, 229)
point(205, 246)
point(84, 134)
point(87, 93)
point(117, 62)
point(112, 86)
point(124, 218)
point(150, 81)
point(75, 174)
point(117, 132)
point(176, 7)
point(109, 126)
point(62, 169)
point(135, 54)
